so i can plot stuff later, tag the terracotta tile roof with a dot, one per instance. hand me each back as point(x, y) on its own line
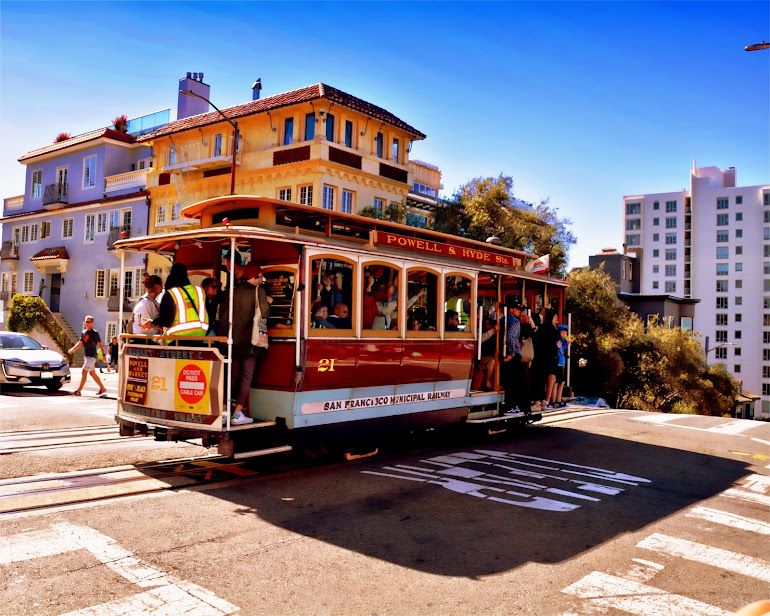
point(302, 95)
point(57, 252)
point(71, 206)
point(97, 134)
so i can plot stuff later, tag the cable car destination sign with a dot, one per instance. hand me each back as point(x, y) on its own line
point(446, 250)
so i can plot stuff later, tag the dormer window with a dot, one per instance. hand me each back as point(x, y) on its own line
point(89, 172)
point(37, 184)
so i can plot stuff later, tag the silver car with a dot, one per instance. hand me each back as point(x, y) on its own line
point(23, 361)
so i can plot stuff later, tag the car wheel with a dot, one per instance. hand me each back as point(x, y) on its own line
point(54, 385)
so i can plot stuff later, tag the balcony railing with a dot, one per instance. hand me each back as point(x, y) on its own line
point(55, 193)
point(123, 181)
point(203, 154)
point(113, 304)
point(116, 234)
point(9, 250)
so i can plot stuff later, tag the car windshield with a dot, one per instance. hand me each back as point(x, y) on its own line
point(18, 342)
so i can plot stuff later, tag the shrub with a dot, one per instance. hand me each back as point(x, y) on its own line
point(24, 311)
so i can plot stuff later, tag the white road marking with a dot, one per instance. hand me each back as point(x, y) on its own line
point(729, 519)
point(716, 557)
point(608, 591)
point(166, 593)
point(759, 440)
point(757, 483)
point(643, 570)
point(734, 427)
point(747, 496)
point(658, 418)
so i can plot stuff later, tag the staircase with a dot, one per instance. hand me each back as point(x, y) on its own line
point(79, 355)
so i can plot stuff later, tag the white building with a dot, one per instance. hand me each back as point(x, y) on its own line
point(712, 242)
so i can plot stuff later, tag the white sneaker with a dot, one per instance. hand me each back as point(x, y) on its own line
point(240, 419)
point(514, 411)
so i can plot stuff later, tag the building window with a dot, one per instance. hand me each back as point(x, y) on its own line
point(128, 282)
point(656, 205)
point(115, 219)
point(284, 194)
point(656, 237)
point(722, 286)
point(67, 226)
point(329, 127)
point(739, 217)
point(656, 269)
point(722, 303)
point(633, 209)
point(765, 354)
point(670, 207)
point(671, 222)
point(419, 221)
point(723, 203)
point(656, 252)
point(29, 281)
point(767, 233)
point(767, 216)
point(722, 269)
point(176, 211)
point(37, 184)
point(309, 126)
point(656, 222)
point(347, 202)
point(767, 198)
point(766, 267)
point(25, 234)
point(685, 324)
point(99, 283)
point(739, 250)
point(328, 198)
point(670, 286)
point(721, 319)
point(306, 195)
point(723, 219)
point(765, 390)
point(655, 284)
point(89, 172)
point(633, 240)
point(723, 236)
point(633, 224)
point(395, 157)
point(739, 284)
point(766, 285)
point(138, 282)
point(101, 223)
point(738, 233)
point(378, 204)
point(737, 351)
point(723, 252)
point(738, 317)
point(90, 228)
point(33, 230)
point(721, 353)
point(738, 300)
point(45, 230)
point(671, 270)
point(721, 335)
point(378, 141)
point(670, 238)
point(671, 254)
point(111, 330)
point(288, 131)
point(738, 200)
point(217, 145)
point(160, 215)
point(348, 134)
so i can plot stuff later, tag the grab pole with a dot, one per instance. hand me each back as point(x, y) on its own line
point(230, 332)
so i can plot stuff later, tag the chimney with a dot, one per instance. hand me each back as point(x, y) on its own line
point(189, 105)
point(256, 89)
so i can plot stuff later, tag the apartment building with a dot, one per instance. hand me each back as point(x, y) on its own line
point(82, 194)
point(712, 242)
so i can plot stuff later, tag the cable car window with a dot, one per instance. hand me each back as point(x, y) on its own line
point(280, 284)
point(380, 298)
point(458, 304)
point(422, 301)
point(331, 288)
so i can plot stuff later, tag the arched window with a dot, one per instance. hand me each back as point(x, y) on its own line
point(422, 303)
point(331, 292)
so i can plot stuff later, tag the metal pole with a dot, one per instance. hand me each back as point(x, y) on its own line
point(121, 296)
point(569, 348)
point(230, 332)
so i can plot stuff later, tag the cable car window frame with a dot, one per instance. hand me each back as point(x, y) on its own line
point(436, 271)
point(281, 332)
point(312, 255)
point(470, 331)
point(400, 267)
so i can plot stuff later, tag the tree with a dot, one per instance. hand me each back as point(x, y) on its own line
point(394, 212)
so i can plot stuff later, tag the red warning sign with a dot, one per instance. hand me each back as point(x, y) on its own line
point(191, 384)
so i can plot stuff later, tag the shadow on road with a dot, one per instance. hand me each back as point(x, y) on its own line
point(486, 507)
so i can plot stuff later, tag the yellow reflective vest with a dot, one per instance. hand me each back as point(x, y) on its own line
point(191, 318)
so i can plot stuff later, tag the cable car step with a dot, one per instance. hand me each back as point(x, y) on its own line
point(261, 452)
point(499, 418)
point(256, 424)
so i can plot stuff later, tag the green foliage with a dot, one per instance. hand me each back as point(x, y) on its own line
point(653, 369)
point(486, 207)
point(24, 311)
point(394, 212)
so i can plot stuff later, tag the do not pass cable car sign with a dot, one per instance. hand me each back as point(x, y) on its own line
point(191, 386)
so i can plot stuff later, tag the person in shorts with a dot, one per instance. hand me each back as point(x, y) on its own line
point(90, 341)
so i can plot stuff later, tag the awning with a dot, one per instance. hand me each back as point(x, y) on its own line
point(51, 260)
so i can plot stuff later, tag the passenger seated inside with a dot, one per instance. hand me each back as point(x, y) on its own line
point(387, 306)
point(320, 317)
point(452, 321)
point(340, 319)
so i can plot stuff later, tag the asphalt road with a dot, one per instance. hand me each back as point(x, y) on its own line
point(626, 513)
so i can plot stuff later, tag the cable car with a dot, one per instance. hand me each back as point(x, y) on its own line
point(374, 328)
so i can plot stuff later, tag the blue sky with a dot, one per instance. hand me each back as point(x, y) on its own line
point(582, 102)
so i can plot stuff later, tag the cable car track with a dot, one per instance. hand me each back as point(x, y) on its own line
point(43, 440)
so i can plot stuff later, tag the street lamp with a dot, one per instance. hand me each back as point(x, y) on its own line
point(235, 134)
point(757, 46)
point(724, 344)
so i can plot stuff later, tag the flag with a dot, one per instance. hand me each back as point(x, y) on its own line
point(539, 265)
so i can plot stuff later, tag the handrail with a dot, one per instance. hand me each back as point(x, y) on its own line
point(177, 339)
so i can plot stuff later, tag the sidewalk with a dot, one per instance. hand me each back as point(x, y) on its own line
point(110, 381)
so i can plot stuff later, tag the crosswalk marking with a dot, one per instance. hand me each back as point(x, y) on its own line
point(609, 591)
point(734, 427)
point(730, 519)
point(751, 497)
point(716, 557)
point(757, 483)
point(658, 418)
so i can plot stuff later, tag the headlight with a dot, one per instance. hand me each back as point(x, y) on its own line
point(16, 364)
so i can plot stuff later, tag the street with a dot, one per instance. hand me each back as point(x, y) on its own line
point(618, 513)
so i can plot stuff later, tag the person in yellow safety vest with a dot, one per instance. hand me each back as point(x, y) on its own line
point(460, 303)
point(183, 307)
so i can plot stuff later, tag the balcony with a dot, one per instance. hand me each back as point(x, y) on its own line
point(117, 234)
point(9, 250)
point(13, 203)
point(113, 304)
point(55, 194)
point(202, 155)
point(125, 181)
